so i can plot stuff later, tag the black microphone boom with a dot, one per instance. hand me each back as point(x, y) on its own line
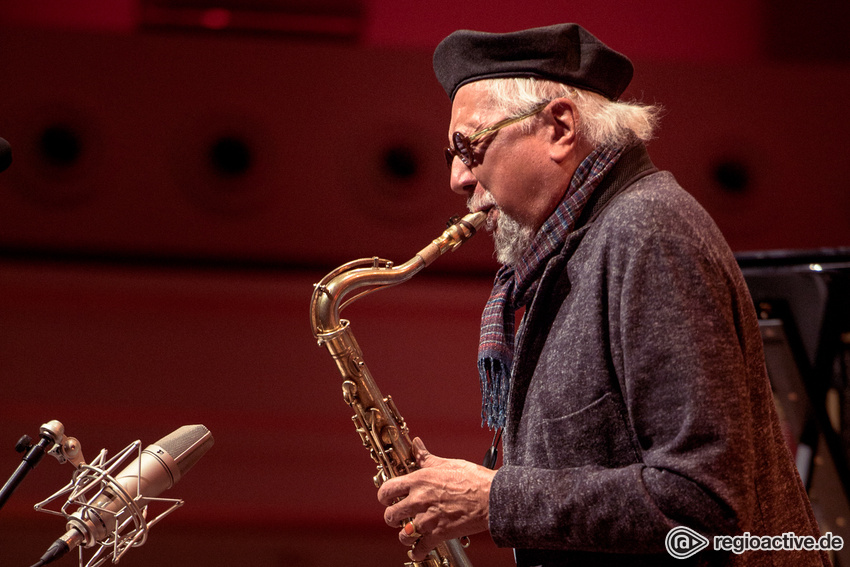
point(122, 500)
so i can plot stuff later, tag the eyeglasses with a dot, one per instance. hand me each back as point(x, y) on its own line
point(462, 144)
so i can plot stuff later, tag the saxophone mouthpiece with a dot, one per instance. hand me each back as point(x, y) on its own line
point(476, 220)
point(458, 232)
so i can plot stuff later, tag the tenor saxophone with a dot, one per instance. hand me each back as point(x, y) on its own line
point(376, 418)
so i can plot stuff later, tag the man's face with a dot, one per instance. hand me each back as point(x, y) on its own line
point(512, 173)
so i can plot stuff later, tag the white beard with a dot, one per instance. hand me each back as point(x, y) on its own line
point(510, 238)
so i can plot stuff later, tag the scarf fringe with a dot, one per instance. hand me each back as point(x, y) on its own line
point(495, 387)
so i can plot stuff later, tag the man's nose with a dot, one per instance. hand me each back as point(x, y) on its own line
point(463, 181)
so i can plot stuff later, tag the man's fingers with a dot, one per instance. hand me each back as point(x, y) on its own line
point(393, 489)
point(395, 515)
point(401, 510)
point(409, 533)
point(422, 548)
point(423, 457)
point(419, 447)
point(417, 527)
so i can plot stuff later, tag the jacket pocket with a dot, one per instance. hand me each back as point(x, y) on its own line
point(597, 435)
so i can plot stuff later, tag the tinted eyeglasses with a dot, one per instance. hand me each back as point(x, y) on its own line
point(462, 144)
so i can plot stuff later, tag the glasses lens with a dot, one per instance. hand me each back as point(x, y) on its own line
point(450, 157)
point(462, 148)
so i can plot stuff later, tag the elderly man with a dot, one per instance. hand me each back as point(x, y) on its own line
point(633, 397)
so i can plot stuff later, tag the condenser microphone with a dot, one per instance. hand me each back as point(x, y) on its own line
point(5, 154)
point(157, 469)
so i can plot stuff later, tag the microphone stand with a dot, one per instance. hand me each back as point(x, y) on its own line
point(53, 441)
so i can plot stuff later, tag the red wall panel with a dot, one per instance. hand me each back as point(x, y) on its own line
point(322, 123)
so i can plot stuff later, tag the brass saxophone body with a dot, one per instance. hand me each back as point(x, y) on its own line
point(376, 418)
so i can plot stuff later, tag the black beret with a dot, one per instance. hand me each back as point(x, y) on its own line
point(566, 53)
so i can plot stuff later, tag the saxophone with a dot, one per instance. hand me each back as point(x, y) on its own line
point(376, 418)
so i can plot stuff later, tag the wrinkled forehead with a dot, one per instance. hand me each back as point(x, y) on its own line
point(472, 108)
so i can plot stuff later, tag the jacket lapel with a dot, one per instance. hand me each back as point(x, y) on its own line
point(555, 283)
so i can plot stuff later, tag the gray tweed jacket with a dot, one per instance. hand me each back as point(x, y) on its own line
point(640, 400)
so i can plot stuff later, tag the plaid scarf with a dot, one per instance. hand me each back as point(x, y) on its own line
point(516, 285)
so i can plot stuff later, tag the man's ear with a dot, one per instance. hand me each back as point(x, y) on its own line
point(564, 135)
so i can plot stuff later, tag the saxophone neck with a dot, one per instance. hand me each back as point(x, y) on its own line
point(374, 273)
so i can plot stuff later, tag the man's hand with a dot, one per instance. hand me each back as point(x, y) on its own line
point(445, 498)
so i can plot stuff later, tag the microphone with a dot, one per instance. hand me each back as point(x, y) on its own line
point(5, 154)
point(123, 498)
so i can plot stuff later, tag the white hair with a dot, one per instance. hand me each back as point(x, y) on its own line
point(601, 121)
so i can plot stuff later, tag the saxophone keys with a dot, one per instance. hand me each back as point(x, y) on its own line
point(364, 437)
point(379, 478)
point(396, 415)
point(349, 392)
point(355, 366)
point(389, 435)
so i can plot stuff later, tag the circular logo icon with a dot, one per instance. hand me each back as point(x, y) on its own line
point(683, 542)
